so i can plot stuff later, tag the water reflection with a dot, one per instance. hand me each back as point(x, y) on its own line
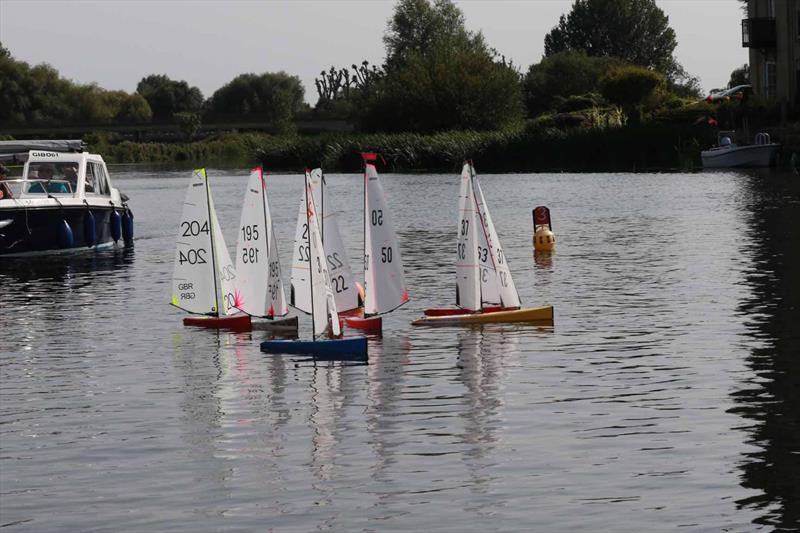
point(770, 397)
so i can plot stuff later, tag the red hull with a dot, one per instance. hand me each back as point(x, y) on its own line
point(373, 324)
point(234, 322)
point(449, 311)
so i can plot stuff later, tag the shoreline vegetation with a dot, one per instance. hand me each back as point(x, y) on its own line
point(520, 148)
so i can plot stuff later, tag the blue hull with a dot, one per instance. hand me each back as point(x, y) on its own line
point(349, 348)
point(39, 229)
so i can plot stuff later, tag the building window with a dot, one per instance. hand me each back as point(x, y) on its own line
point(770, 79)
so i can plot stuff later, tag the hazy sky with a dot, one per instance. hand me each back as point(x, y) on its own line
point(115, 43)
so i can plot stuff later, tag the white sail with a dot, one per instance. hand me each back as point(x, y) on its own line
point(505, 284)
point(342, 282)
point(224, 272)
point(323, 302)
point(300, 293)
point(383, 266)
point(193, 280)
point(259, 289)
point(468, 285)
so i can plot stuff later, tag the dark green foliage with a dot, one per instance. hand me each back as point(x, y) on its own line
point(636, 31)
point(629, 86)
point(512, 150)
point(447, 89)
point(561, 75)
point(189, 123)
point(438, 76)
point(418, 27)
point(38, 95)
point(167, 97)
point(271, 97)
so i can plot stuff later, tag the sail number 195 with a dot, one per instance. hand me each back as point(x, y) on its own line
point(250, 232)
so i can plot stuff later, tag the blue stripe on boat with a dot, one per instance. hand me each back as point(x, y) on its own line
point(350, 348)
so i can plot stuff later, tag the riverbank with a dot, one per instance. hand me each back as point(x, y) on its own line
point(521, 149)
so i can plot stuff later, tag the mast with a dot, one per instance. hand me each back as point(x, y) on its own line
point(213, 247)
point(485, 234)
point(364, 234)
point(310, 262)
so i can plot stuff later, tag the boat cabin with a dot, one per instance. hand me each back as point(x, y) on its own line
point(71, 175)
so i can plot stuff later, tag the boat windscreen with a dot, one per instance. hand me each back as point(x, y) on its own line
point(65, 172)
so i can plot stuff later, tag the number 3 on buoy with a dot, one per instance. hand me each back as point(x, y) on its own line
point(543, 238)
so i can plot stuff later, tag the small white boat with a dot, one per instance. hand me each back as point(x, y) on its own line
point(485, 290)
point(204, 277)
point(63, 202)
point(259, 284)
point(384, 284)
point(731, 155)
point(344, 288)
point(326, 340)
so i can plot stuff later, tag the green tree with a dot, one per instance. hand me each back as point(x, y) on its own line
point(167, 97)
point(418, 27)
point(438, 76)
point(272, 97)
point(629, 87)
point(189, 124)
point(636, 31)
point(561, 75)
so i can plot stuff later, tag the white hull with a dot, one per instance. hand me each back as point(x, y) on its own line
point(756, 155)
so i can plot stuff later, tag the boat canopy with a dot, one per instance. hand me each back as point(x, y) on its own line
point(18, 150)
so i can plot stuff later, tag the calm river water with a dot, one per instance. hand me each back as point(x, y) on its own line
point(666, 396)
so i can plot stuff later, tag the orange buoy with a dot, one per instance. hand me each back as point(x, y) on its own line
point(543, 238)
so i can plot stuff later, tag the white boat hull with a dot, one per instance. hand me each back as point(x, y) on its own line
point(755, 155)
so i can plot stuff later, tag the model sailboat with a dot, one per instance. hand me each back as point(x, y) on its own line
point(344, 288)
point(259, 286)
point(384, 284)
point(204, 276)
point(325, 318)
point(485, 290)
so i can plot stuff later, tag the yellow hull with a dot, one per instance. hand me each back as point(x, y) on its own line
point(531, 314)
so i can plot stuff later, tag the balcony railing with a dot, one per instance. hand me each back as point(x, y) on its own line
point(758, 33)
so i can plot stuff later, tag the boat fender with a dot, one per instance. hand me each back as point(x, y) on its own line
point(127, 227)
point(89, 229)
point(65, 236)
point(116, 225)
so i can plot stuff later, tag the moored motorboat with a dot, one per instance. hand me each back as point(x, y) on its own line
point(731, 155)
point(63, 202)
